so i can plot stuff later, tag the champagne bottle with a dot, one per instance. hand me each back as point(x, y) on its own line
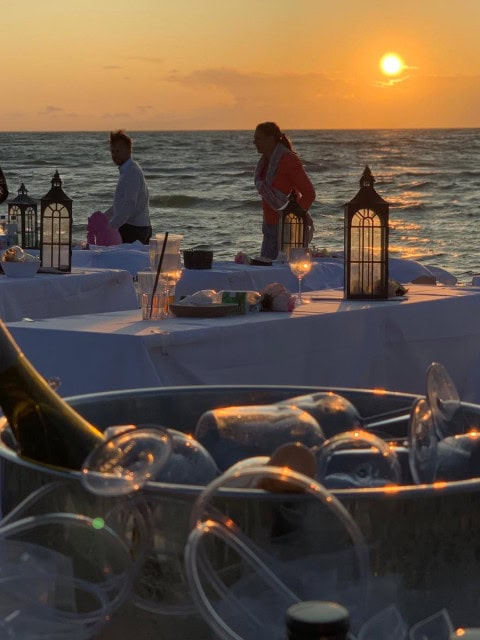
point(317, 620)
point(47, 429)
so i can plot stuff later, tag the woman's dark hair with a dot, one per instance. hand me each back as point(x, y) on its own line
point(272, 129)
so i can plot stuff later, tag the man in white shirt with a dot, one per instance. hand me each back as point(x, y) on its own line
point(129, 213)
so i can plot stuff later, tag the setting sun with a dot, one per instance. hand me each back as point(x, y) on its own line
point(391, 64)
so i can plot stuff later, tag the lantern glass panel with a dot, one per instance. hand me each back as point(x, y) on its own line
point(366, 258)
point(14, 211)
point(294, 228)
point(30, 228)
point(56, 236)
point(292, 232)
point(56, 223)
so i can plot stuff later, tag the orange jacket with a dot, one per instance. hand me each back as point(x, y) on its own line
point(290, 175)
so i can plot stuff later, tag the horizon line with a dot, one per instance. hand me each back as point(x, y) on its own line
point(207, 130)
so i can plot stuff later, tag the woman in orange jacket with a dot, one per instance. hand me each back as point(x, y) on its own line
point(279, 172)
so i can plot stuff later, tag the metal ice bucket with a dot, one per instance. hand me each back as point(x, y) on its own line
point(427, 536)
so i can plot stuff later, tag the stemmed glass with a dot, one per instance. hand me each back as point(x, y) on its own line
point(444, 401)
point(170, 274)
point(243, 583)
point(300, 262)
point(422, 443)
point(126, 460)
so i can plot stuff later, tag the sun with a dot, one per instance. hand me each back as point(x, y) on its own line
point(391, 64)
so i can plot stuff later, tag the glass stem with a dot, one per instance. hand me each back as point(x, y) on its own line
point(166, 307)
point(299, 288)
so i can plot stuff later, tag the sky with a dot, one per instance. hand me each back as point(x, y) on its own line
point(98, 65)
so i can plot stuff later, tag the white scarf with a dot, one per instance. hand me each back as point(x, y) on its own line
point(275, 198)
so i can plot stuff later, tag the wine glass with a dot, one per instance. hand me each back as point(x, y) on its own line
point(188, 463)
point(45, 548)
point(387, 623)
point(47, 607)
point(444, 402)
point(439, 625)
point(300, 262)
point(243, 577)
point(356, 459)
point(422, 443)
point(124, 462)
point(170, 274)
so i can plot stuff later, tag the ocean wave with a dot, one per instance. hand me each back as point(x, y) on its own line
point(471, 173)
point(417, 174)
point(240, 173)
point(405, 207)
point(160, 176)
point(37, 162)
point(175, 200)
point(418, 186)
point(243, 204)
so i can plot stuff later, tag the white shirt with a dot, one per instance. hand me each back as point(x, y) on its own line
point(130, 203)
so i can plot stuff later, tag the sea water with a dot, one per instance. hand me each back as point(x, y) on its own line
point(201, 185)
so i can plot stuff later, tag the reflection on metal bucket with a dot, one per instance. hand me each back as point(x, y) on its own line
point(423, 541)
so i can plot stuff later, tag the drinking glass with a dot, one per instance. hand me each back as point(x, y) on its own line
point(46, 548)
point(356, 459)
point(170, 274)
point(124, 462)
point(437, 626)
point(422, 443)
point(188, 463)
point(244, 570)
point(300, 262)
point(152, 305)
point(45, 607)
point(153, 253)
point(444, 402)
point(387, 623)
point(156, 244)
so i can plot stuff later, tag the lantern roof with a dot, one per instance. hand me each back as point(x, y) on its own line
point(367, 196)
point(22, 198)
point(56, 193)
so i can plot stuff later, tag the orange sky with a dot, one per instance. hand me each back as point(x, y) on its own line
point(228, 64)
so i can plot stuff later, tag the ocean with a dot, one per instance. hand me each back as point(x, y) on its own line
point(201, 185)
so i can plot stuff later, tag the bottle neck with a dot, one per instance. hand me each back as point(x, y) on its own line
point(10, 352)
point(317, 620)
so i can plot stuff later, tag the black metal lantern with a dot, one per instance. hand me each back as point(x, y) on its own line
point(22, 210)
point(366, 243)
point(293, 230)
point(56, 228)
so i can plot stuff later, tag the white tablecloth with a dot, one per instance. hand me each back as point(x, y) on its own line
point(327, 273)
point(132, 257)
point(330, 342)
point(81, 291)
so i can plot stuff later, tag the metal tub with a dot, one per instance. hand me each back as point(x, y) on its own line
point(427, 536)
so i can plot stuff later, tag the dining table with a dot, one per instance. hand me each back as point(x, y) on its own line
point(327, 271)
point(330, 341)
point(80, 291)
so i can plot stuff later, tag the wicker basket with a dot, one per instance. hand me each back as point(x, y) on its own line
point(197, 258)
